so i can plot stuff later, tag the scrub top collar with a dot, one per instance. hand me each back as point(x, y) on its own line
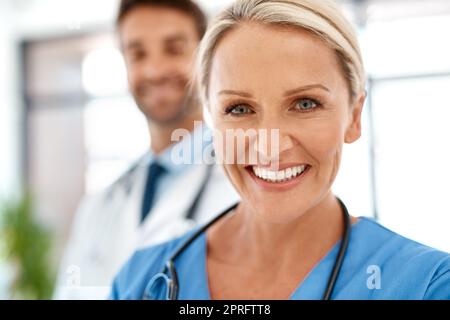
point(195, 283)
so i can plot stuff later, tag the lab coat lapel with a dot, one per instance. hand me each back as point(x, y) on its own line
point(123, 218)
point(131, 211)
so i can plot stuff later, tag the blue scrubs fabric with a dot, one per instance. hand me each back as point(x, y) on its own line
point(379, 264)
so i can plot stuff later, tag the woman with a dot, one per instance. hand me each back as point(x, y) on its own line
point(294, 66)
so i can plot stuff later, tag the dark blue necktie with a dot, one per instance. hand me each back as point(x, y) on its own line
point(155, 172)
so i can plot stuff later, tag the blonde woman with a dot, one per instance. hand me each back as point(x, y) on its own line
point(295, 67)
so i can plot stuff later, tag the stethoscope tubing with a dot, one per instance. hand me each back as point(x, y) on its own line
point(173, 286)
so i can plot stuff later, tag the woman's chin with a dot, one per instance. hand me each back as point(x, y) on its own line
point(278, 211)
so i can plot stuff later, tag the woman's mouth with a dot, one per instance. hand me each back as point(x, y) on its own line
point(286, 177)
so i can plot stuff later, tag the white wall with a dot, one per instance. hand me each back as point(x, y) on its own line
point(37, 18)
point(32, 19)
point(9, 106)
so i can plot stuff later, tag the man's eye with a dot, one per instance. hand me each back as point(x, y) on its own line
point(176, 50)
point(306, 104)
point(239, 109)
point(137, 55)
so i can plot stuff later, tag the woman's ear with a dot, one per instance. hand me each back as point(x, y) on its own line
point(353, 131)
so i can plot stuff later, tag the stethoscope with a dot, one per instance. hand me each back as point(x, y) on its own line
point(125, 182)
point(168, 277)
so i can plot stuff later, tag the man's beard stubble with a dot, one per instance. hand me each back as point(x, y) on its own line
point(187, 107)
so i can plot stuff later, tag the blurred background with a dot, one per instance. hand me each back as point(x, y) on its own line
point(67, 120)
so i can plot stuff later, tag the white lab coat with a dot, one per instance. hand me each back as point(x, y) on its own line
point(107, 231)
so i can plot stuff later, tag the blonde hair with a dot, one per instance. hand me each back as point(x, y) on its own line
point(321, 17)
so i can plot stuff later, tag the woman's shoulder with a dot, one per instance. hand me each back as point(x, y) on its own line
point(404, 260)
point(384, 238)
point(130, 282)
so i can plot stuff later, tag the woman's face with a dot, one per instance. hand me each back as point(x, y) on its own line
point(266, 77)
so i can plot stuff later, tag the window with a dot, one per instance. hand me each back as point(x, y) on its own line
point(408, 63)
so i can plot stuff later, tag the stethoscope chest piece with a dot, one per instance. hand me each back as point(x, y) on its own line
point(158, 288)
point(163, 286)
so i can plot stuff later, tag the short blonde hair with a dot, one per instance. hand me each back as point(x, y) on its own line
point(320, 17)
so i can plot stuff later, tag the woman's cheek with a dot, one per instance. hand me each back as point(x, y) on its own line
point(226, 155)
point(325, 143)
point(329, 151)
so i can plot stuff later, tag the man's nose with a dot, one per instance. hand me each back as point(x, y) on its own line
point(157, 68)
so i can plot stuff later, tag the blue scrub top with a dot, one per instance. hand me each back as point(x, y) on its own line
point(379, 264)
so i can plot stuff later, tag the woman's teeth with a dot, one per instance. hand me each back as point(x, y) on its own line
point(278, 176)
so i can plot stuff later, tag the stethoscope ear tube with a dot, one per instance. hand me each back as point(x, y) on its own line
point(173, 284)
point(170, 265)
point(341, 254)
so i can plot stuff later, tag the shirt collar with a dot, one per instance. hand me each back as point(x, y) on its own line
point(194, 144)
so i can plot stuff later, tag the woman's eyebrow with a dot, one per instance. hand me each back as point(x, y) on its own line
point(235, 92)
point(287, 93)
point(304, 88)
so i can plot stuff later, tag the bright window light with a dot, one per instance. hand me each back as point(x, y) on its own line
point(407, 46)
point(104, 72)
point(412, 157)
point(116, 134)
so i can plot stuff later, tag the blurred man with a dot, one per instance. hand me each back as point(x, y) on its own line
point(157, 198)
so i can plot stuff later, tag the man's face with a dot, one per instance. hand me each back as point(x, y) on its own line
point(159, 47)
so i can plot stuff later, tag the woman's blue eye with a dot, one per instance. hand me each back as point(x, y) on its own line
point(239, 109)
point(306, 104)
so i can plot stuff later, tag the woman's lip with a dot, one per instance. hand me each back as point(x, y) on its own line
point(280, 166)
point(277, 186)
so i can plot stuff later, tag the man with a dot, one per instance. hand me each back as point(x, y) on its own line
point(158, 198)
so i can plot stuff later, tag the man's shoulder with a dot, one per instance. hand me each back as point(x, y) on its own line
point(134, 166)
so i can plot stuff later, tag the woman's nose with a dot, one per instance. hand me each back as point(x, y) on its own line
point(270, 144)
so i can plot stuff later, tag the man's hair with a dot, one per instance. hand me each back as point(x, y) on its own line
point(187, 6)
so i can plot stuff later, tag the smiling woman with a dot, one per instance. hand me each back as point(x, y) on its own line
point(294, 67)
point(309, 105)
